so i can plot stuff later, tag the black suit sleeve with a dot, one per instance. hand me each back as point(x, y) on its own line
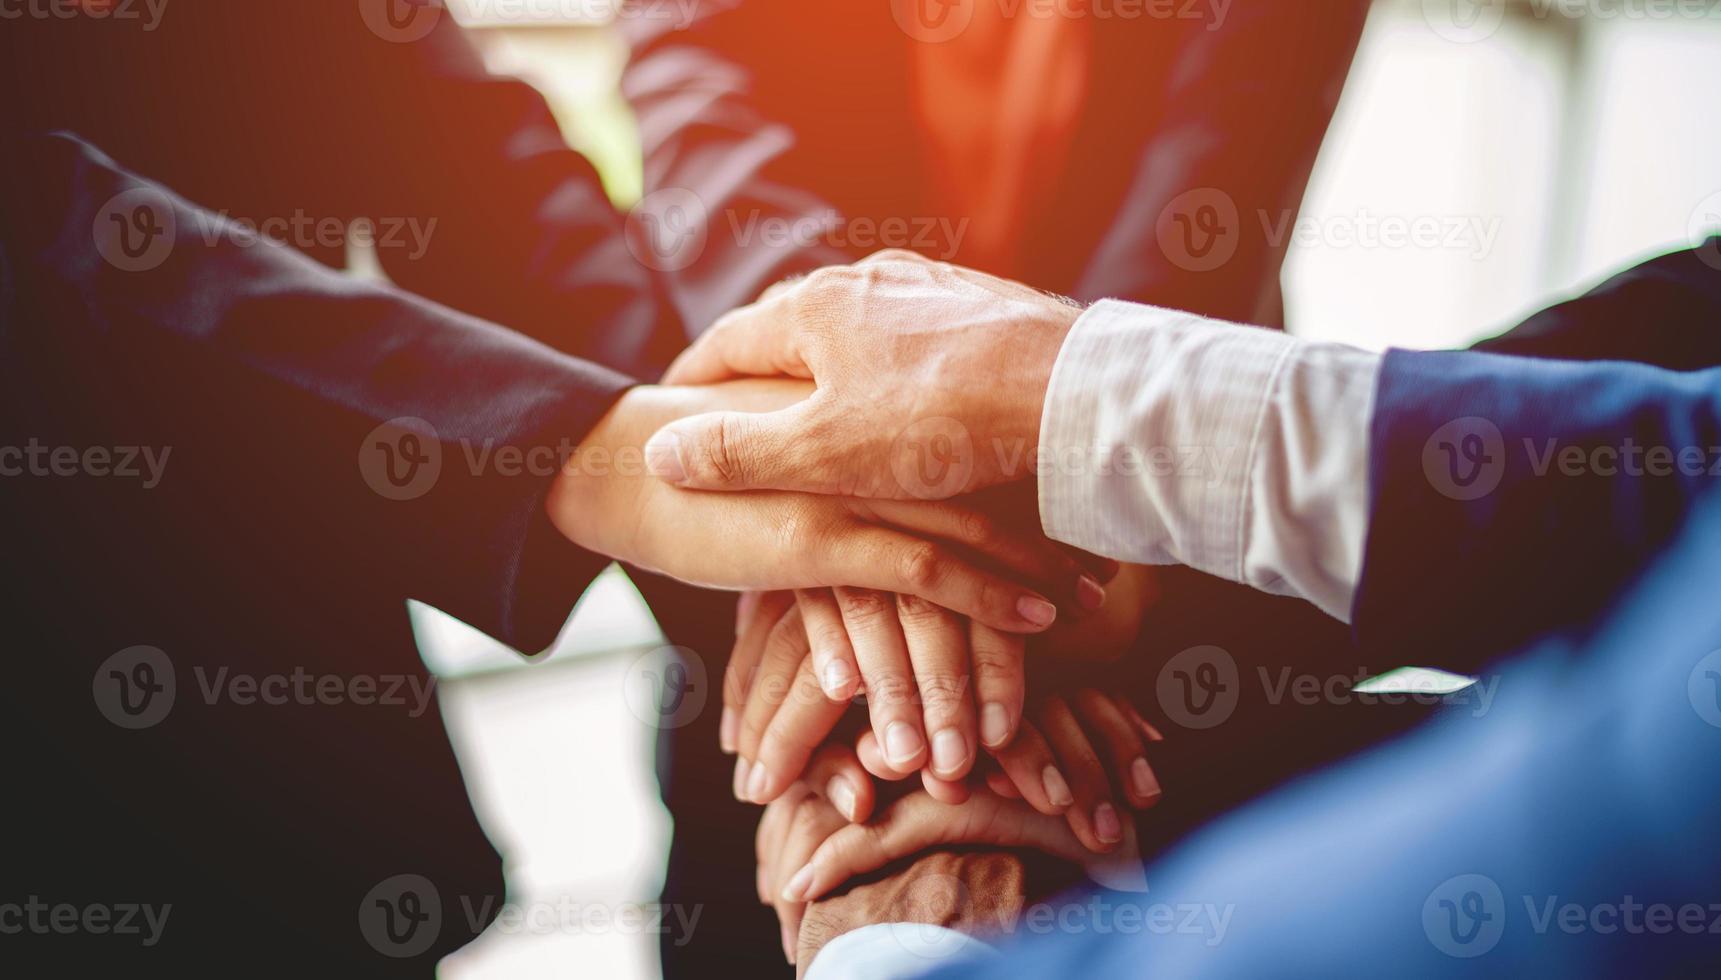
point(1248, 102)
point(267, 375)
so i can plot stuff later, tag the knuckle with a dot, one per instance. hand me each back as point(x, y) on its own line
point(921, 566)
point(720, 456)
point(832, 637)
point(978, 529)
point(943, 693)
point(864, 604)
point(890, 690)
point(915, 611)
point(996, 660)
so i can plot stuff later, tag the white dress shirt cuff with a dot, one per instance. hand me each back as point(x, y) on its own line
point(1169, 438)
point(896, 951)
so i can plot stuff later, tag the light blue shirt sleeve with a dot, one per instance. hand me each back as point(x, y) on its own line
point(897, 951)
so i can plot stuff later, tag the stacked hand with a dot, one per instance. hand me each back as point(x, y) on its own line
point(930, 382)
point(1077, 755)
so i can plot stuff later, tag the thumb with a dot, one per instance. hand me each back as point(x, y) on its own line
point(737, 451)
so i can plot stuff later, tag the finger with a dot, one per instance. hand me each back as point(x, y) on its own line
point(795, 732)
point(767, 844)
point(1093, 816)
point(833, 654)
point(836, 773)
point(1102, 568)
point(785, 648)
point(1033, 770)
point(917, 822)
point(757, 340)
point(872, 759)
point(998, 781)
point(882, 652)
point(1022, 549)
point(744, 451)
point(938, 651)
point(999, 682)
point(812, 824)
point(1142, 724)
point(1116, 735)
point(944, 791)
point(892, 561)
point(738, 676)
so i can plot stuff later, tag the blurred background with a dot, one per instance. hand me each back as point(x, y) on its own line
point(1524, 147)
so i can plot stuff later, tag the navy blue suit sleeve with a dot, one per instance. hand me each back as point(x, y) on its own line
point(1513, 495)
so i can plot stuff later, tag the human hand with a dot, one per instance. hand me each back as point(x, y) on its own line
point(973, 893)
point(776, 713)
point(1075, 757)
point(787, 540)
point(805, 848)
point(914, 360)
point(914, 658)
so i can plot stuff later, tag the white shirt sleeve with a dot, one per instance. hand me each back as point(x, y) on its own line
point(1170, 438)
point(896, 951)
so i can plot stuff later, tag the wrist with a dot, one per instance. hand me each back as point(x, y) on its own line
point(591, 504)
point(1030, 407)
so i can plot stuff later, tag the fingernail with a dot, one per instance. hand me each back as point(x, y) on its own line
point(1036, 610)
point(949, 751)
point(1090, 593)
point(836, 678)
point(741, 779)
point(788, 943)
point(756, 782)
point(663, 457)
point(798, 886)
point(994, 724)
point(1106, 825)
point(842, 796)
point(1141, 774)
point(1057, 790)
point(901, 744)
point(727, 728)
